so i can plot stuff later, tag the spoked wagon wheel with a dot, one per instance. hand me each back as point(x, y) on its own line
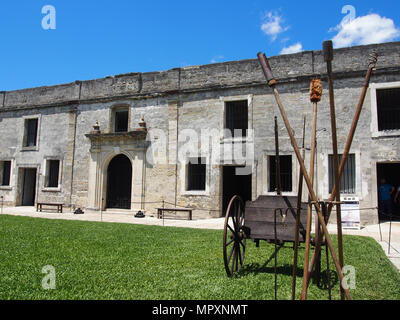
point(234, 243)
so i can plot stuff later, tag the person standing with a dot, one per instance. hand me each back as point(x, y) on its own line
point(385, 191)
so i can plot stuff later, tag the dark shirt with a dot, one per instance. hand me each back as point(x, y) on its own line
point(384, 191)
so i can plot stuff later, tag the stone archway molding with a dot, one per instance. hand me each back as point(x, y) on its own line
point(104, 147)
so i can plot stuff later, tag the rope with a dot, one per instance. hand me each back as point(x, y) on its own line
point(201, 209)
point(258, 207)
point(138, 202)
point(389, 215)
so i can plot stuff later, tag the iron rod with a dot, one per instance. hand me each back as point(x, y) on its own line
point(379, 224)
point(390, 232)
point(275, 258)
point(277, 161)
point(296, 236)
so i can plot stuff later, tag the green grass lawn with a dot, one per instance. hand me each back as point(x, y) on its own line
point(95, 260)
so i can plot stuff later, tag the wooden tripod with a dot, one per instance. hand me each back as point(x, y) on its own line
point(314, 201)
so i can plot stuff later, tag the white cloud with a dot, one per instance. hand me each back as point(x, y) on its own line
point(273, 25)
point(368, 29)
point(297, 47)
point(217, 59)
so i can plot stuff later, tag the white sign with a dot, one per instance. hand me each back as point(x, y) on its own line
point(350, 208)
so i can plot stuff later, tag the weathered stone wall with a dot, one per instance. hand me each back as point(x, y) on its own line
point(286, 68)
point(193, 98)
point(52, 143)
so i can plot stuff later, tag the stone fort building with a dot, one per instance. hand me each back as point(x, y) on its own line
point(91, 144)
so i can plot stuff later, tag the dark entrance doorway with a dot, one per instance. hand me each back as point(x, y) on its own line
point(391, 173)
point(28, 186)
point(234, 184)
point(119, 183)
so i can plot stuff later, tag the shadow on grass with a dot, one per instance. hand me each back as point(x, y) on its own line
point(256, 268)
point(324, 280)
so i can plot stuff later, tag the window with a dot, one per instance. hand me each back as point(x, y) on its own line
point(388, 108)
point(31, 129)
point(236, 116)
point(348, 180)
point(52, 173)
point(5, 171)
point(120, 118)
point(285, 163)
point(196, 174)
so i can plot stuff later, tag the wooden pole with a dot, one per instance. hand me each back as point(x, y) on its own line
point(371, 66)
point(272, 82)
point(328, 56)
point(310, 188)
point(309, 208)
point(296, 236)
point(277, 161)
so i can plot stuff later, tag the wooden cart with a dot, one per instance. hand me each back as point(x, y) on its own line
point(269, 218)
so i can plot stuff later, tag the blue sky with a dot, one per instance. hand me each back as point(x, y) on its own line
point(96, 38)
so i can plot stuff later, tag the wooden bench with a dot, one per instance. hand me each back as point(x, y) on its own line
point(59, 206)
point(160, 212)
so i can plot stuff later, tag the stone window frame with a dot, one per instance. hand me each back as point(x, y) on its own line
point(331, 174)
point(184, 178)
point(270, 172)
point(224, 100)
point(24, 137)
point(44, 173)
point(10, 185)
point(265, 172)
point(266, 176)
point(375, 133)
point(113, 110)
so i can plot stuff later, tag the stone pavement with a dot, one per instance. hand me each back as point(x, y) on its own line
point(379, 232)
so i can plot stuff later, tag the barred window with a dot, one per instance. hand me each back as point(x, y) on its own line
point(388, 109)
point(52, 173)
point(348, 180)
point(5, 170)
point(236, 116)
point(121, 120)
point(31, 129)
point(196, 174)
point(285, 164)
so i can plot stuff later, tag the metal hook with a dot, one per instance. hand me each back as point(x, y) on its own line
point(373, 59)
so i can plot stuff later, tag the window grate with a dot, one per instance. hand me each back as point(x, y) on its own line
point(121, 121)
point(31, 132)
point(53, 173)
point(285, 163)
point(236, 116)
point(196, 175)
point(348, 180)
point(6, 173)
point(388, 104)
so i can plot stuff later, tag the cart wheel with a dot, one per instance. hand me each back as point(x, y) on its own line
point(234, 242)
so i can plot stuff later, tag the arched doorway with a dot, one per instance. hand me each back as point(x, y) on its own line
point(119, 183)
